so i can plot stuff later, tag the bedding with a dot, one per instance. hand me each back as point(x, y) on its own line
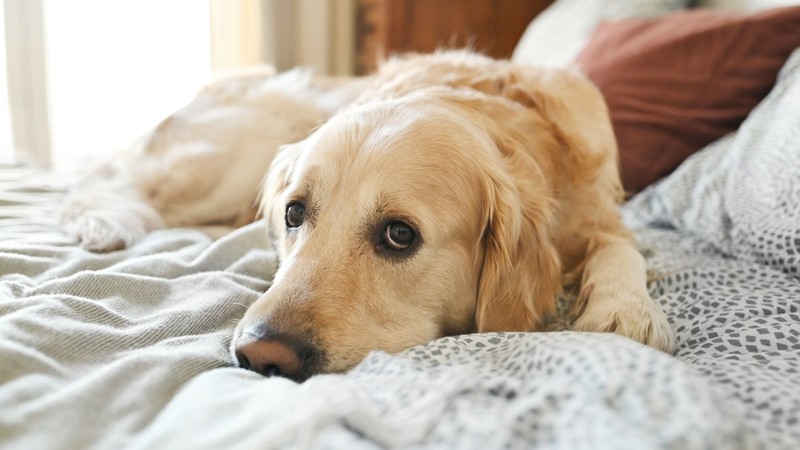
point(556, 36)
point(131, 348)
point(676, 83)
point(677, 75)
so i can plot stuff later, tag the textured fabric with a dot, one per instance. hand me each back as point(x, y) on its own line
point(556, 36)
point(738, 325)
point(93, 347)
point(742, 193)
point(676, 83)
point(565, 390)
point(131, 349)
point(739, 198)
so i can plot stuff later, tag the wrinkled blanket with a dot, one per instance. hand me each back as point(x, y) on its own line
point(131, 349)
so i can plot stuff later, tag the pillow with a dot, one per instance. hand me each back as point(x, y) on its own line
point(556, 36)
point(676, 83)
point(742, 192)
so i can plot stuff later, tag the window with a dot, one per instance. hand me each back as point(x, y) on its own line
point(88, 77)
point(116, 68)
point(112, 70)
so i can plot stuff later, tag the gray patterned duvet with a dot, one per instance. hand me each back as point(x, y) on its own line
point(130, 349)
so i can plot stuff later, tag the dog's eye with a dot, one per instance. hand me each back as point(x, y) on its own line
point(295, 215)
point(398, 236)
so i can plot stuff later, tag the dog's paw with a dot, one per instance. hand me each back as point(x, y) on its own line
point(105, 220)
point(102, 234)
point(635, 317)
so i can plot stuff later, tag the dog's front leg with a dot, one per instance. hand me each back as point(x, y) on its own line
point(613, 296)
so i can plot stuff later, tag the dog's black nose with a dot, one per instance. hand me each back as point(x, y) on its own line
point(275, 355)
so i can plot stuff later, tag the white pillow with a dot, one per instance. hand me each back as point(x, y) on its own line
point(557, 35)
point(746, 5)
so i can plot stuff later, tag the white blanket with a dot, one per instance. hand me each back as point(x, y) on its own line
point(131, 349)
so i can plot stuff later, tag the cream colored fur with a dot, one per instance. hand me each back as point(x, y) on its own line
point(201, 167)
point(507, 173)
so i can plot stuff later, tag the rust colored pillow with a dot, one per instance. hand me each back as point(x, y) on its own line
point(676, 83)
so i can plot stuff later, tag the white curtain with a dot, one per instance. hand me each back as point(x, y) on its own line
point(284, 33)
point(27, 81)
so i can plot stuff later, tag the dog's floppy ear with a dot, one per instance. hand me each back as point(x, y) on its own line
point(521, 274)
point(563, 112)
point(578, 118)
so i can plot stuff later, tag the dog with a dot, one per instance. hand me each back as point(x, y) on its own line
point(449, 193)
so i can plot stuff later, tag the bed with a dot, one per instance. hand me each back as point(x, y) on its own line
point(131, 348)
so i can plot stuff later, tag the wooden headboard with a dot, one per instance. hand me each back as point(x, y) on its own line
point(387, 27)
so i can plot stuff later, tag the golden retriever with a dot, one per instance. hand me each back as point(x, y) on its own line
point(457, 193)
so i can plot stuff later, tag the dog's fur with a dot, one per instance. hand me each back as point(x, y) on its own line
point(507, 174)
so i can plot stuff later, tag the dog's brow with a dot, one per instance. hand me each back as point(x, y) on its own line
point(300, 194)
point(381, 204)
point(386, 207)
point(376, 216)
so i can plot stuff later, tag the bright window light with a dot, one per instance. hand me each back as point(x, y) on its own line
point(116, 68)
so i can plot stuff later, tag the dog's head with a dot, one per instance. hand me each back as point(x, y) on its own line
point(401, 221)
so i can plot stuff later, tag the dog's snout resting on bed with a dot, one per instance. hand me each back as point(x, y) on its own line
point(461, 194)
point(456, 194)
